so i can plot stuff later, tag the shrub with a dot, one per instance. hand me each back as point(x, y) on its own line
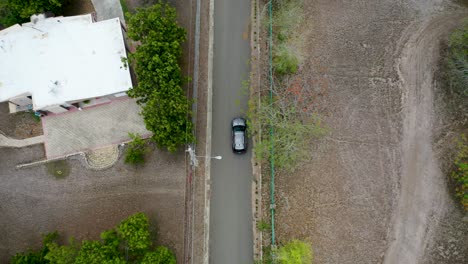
point(136, 150)
point(454, 72)
point(295, 252)
point(287, 18)
point(284, 60)
point(292, 132)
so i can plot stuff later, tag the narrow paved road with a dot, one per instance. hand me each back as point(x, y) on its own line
point(231, 216)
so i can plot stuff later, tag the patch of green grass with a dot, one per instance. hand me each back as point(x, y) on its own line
point(58, 168)
point(263, 226)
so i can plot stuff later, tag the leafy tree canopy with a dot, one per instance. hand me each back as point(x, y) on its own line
point(136, 150)
point(33, 257)
point(20, 11)
point(161, 255)
point(157, 22)
point(128, 242)
point(166, 109)
point(166, 113)
point(135, 232)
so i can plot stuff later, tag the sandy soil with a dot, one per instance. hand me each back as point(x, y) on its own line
point(372, 191)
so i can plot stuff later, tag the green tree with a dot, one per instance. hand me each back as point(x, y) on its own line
point(20, 11)
point(166, 115)
point(61, 254)
point(161, 255)
point(35, 257)
point(166, 109)
point(95, 252)
point(295, 252)
point(129, 242)
point(136, 150)
point(134, 232)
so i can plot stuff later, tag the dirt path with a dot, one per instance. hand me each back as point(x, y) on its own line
point(423, 197)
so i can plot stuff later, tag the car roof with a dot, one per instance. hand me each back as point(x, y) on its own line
point(239, 140)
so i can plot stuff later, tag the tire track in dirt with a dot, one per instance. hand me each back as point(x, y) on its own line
point(423, 197)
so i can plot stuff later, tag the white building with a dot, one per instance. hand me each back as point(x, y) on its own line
point(56, 64)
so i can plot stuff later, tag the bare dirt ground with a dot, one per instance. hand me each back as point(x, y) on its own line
point(373, 191)
point(87, 202)
point(19, 125)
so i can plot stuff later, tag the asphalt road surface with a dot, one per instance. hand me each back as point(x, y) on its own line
point(230, 220)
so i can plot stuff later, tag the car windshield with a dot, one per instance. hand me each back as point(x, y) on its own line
point(238, 128)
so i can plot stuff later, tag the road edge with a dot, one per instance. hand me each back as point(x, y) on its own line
point(208, 134)
point(255, 82)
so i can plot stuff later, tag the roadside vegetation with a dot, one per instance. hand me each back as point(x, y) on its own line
point(289, 113)
point(287, 19)
point(282, 118)
point(128, 242)
point(166, 109)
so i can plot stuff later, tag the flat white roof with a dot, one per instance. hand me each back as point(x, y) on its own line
point(63, 59)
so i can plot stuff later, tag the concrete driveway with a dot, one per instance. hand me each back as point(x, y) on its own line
point(92, 128)
point(231, 238)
